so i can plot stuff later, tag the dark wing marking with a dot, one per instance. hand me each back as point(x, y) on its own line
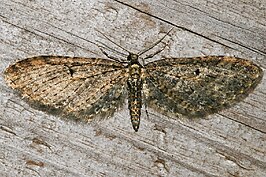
point(196, 87)
point(80, 88)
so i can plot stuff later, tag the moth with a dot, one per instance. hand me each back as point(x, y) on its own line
point(90, 88)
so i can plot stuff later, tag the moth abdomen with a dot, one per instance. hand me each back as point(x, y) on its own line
point(134, 95)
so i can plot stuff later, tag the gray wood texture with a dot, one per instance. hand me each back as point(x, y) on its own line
point(231, 143)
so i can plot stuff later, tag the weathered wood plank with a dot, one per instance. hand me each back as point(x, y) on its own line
point(231, 143)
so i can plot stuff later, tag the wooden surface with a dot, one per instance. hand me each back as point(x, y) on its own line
point(231, 143)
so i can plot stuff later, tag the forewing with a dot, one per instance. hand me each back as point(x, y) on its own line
point(196, 87)
point(79, 88)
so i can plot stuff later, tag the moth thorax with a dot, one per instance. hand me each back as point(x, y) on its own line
point(135, 70)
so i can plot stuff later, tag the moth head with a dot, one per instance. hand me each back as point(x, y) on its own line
point(133, 58)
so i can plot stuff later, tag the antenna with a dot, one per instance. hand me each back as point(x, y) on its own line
point(113, 41)
point(104, 46)
point(153, 45)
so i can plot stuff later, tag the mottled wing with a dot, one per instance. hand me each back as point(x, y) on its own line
point(79, 88)
point(196, 87)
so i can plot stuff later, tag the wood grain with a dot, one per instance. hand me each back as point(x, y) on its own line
point(231, 143)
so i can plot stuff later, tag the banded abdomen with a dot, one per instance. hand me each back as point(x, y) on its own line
point(134, 94)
